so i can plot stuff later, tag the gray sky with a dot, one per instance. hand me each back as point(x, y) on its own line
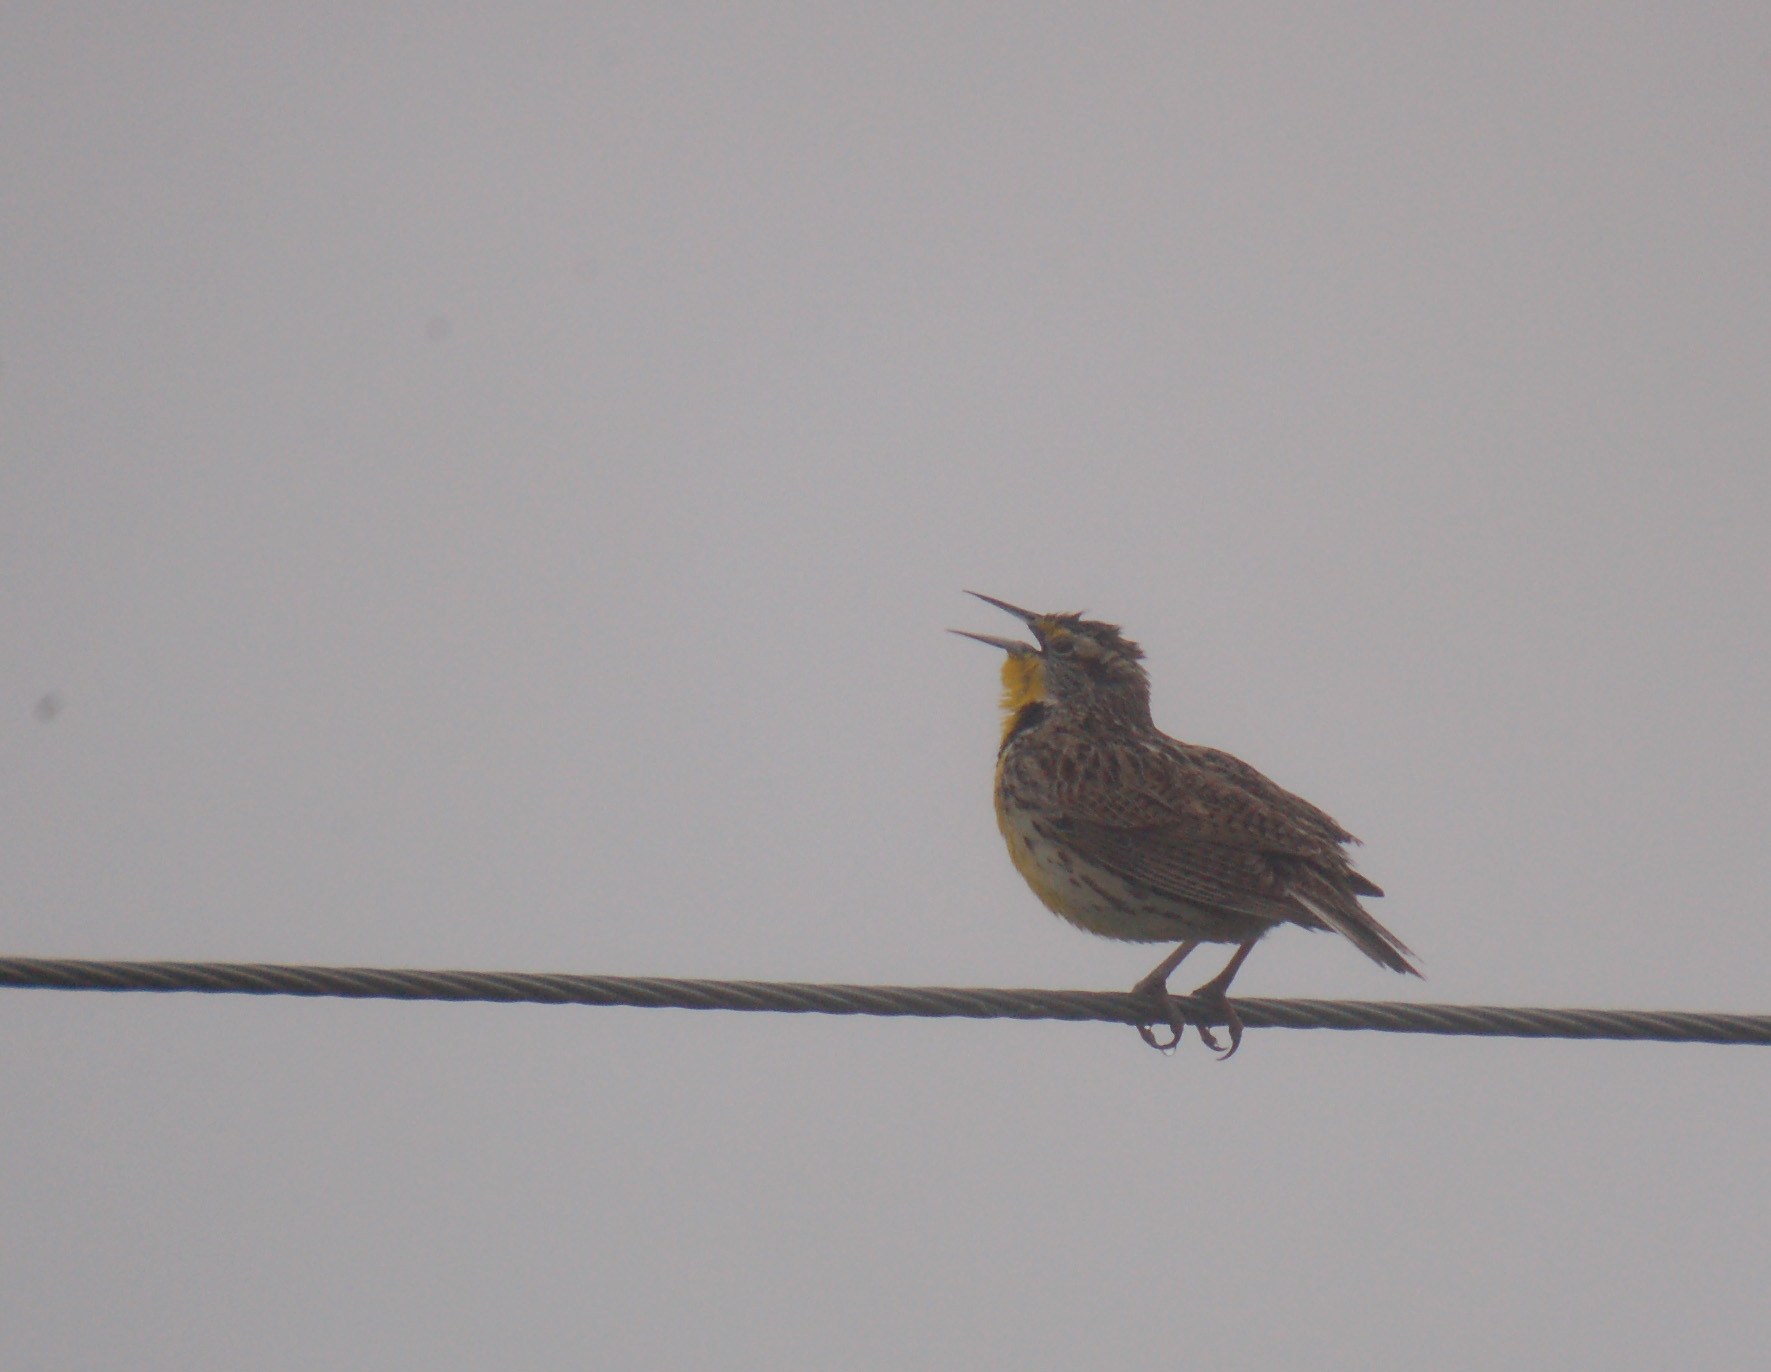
point(487, 489)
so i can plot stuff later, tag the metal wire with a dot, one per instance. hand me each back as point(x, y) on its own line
point(940, 1002)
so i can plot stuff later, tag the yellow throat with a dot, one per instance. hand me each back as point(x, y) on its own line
point(1023, 689)
point(1023, 684)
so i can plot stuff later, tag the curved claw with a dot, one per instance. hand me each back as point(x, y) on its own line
point(1148, 1034)
point(1232, 1022)
point(1165, 1014)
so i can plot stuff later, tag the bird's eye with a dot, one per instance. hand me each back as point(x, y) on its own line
point(1063, 647)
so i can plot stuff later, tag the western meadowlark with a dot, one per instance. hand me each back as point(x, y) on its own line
point(1134, 835)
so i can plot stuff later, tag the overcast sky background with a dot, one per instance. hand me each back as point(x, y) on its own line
point(486, 489)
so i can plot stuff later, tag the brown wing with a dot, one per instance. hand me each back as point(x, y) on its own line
point(1217, 876)
point(1296, 809)
point(1203, 826)
point(1240, 774)
point(1198, 794)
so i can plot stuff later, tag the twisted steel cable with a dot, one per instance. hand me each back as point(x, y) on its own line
point(940, 1002)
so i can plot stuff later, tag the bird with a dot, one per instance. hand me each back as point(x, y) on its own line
point(1133, 835)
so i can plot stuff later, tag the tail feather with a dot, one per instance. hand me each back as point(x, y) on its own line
point(1353, 922)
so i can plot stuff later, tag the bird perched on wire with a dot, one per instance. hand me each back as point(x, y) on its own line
point(1134, 835)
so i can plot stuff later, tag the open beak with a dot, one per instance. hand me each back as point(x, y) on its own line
point(1008, 645)
point(1025, 616)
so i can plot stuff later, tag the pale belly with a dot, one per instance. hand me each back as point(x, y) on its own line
point(1099, 901)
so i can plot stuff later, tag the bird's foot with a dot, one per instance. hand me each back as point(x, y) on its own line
point(1154, 990)
point(1220, 1006)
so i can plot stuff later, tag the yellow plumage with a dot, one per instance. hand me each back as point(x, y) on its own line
point(1023, 685)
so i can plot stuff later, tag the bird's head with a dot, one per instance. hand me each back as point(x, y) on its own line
point(1077, 662)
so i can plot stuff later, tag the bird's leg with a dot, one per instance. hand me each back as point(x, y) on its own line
point(1213, 991)
point(1154, 988)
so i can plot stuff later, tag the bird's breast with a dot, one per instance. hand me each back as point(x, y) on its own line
point(1031, 853)
point(1082, 892)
